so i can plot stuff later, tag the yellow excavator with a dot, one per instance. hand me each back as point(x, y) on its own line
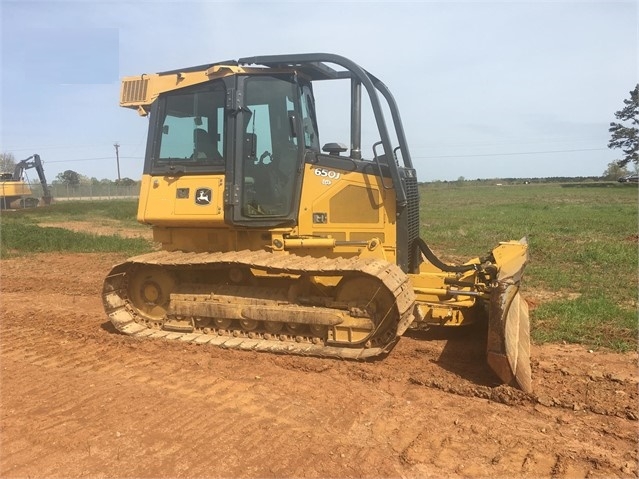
point(271, 243)
point(16, 193)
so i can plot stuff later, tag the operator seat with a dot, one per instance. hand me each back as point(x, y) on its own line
point(204, 149)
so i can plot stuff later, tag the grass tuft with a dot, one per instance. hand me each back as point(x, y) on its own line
point(596, 321)
point(121, 210)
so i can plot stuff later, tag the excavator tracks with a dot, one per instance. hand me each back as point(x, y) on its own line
point(351, 308)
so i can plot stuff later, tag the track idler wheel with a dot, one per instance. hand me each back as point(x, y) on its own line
point(149, 290)
point(373, 300)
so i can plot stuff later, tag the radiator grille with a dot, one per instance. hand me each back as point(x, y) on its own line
point(412, 194)
point(134, 91)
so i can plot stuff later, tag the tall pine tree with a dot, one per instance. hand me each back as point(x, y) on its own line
point(626, 136)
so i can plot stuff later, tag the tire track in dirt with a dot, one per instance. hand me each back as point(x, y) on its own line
point(54, 353)
point(237, 401)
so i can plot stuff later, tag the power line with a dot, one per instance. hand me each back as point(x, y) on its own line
point(59, 147)
point(511, 154)
point(490, 143)
point(415, 157)
point(95, 159)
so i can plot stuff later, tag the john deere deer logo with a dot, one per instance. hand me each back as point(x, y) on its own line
point(203, 196)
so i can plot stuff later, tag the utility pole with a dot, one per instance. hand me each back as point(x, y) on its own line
point(117, 158)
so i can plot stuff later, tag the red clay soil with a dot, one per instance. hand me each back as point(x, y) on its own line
point(80, 400)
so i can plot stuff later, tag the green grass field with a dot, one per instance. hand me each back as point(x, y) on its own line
point(20, 233)
point(583, 249)
point(582, 277)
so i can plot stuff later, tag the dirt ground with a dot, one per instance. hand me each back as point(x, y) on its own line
point(80, 400)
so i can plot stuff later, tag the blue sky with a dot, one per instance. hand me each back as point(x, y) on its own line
point(486, 89)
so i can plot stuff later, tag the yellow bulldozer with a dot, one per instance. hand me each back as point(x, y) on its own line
point(271, 243)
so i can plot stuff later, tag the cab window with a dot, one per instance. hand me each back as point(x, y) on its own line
point(192, 129)
point(270, 147)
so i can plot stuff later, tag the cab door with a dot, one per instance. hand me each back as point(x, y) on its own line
point(267, 172)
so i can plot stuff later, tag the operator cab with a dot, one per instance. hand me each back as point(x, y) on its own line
point(263, 135)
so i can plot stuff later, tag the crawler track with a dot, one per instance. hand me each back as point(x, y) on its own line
point(262, 301)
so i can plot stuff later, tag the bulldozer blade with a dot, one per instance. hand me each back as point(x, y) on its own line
point(508, 348)
point(508, 351)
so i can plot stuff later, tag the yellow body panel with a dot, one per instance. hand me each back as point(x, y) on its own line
point(359, 216)
point(170, 201)
point(10, 189)
point(357, 209)
point(139, 92)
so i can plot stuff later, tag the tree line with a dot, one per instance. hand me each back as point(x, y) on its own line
point(69, 178)
point(73, 179)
